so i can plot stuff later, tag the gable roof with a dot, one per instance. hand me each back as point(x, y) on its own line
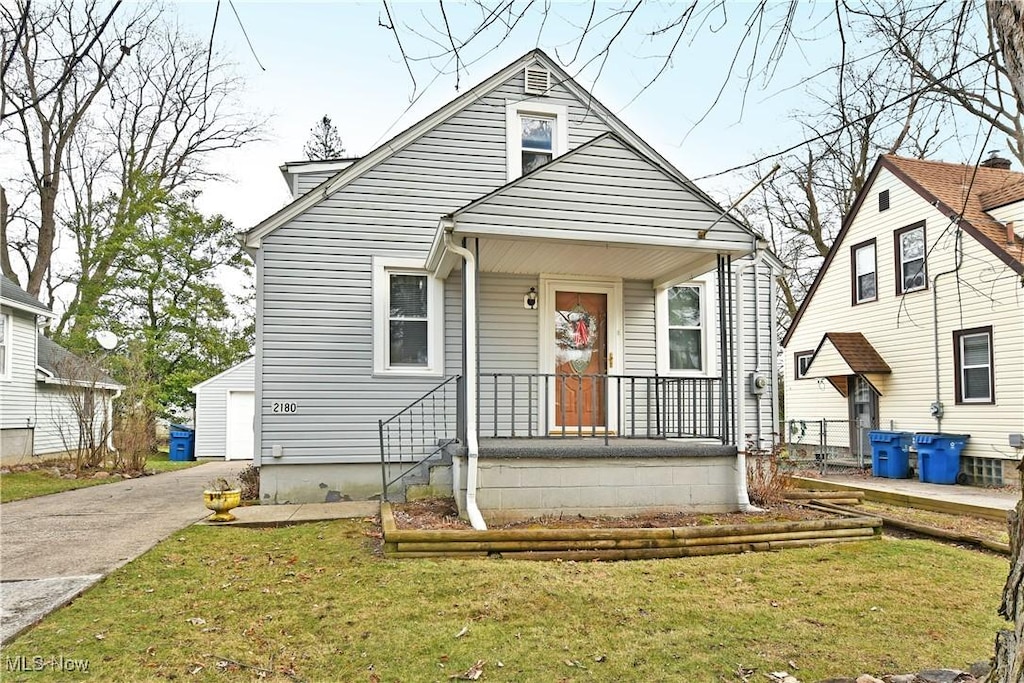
point(63, 367)
point(253, 237)
point(944, 186)
point(14, 296)
point(230, 371)
point(855, 350)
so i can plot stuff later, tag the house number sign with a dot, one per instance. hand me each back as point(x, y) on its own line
point(285, 407)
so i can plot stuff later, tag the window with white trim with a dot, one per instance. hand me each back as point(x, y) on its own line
point(974, 381)
point(408, 319)
point(684, 324)
point(536, 133)
point(910, 250)
point(865, 281)
point(5, 346)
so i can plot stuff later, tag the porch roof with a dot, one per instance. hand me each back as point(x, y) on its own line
point(604, 208)
point(842, 354)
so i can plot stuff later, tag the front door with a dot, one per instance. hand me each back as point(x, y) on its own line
point(581, 360)
point(863, 415)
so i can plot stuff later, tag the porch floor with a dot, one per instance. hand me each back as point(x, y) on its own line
point(594, 447)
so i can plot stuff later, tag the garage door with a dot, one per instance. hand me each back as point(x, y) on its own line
point(241, 412)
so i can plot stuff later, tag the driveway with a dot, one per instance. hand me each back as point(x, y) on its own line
point(54, 547)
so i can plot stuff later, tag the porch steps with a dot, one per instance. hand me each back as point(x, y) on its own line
point(621, 544)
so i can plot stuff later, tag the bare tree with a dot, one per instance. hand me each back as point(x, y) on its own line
point(324, 141)
point(82, 413)
point(144, 99)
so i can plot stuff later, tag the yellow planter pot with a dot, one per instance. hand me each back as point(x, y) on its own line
point(221, 502)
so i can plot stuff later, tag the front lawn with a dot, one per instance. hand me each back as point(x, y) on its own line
point(17, 485)
point(313, 602)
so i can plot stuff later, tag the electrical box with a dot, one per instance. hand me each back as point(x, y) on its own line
point(1017, 440)
point(758, 383)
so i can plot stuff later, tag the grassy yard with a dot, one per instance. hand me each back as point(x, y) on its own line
point(20, 485)
point(314, 603)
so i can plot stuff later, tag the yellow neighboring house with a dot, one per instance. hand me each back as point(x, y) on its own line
point(915, 321)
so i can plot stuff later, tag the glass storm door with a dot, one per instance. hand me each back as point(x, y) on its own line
point(581, 359)
point(863, 415)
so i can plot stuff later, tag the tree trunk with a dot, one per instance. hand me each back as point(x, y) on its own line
point(1008, 666)
point(1006, 17)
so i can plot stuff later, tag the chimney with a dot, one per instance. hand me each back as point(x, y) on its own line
point(996, 161)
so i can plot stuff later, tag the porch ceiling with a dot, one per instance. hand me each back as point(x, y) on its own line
point(606, 260)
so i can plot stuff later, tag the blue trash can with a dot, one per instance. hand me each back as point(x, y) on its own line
point(938, 456)
point(890, 454)
point(183, 444)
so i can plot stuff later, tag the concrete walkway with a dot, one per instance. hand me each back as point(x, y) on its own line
point(54, 547)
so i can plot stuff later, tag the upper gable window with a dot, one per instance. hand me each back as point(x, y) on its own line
point(910, 252)
point(536, 133)
point(865, 283)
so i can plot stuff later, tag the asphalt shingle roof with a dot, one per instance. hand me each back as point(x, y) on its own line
point(12, 292)
point(64, 365)
point(858, 352)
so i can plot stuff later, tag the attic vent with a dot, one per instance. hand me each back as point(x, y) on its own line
point(883, 200)
point(537, 80)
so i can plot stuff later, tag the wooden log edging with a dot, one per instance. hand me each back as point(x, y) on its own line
point(621, 544)
point(923, 529)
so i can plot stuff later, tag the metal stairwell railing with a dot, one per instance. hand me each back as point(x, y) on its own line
point(420, 431)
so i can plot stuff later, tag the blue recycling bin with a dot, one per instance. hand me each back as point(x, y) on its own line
point(183, 444)
point(938, 456)
point(890, 454)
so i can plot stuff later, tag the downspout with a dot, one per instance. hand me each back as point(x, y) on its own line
point(469, 316)
point(742, 496)
point(936, 407)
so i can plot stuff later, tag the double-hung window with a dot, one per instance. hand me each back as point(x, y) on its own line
point(5, 346)
point(408, 314)
point(910, 251)
point(682, 313)
point(972, 354)
point(865, 283)
point(536, 134)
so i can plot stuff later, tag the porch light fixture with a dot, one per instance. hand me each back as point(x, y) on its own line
point(530, 300)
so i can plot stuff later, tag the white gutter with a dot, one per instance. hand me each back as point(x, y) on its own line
point(470, 378)
point(742, 496)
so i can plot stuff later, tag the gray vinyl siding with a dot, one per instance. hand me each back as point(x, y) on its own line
point(304, 182)
point(605, 188)
point(17, 394)
point(56, 418)
point(757, 350)
point(317, 313)
point(508, 344)
point(638, 332)
point(212, 406)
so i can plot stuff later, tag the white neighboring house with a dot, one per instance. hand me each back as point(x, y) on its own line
point(225, 408)
point(916, 319)
point(40, 383)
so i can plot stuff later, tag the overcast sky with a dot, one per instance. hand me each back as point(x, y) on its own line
point(334, 58)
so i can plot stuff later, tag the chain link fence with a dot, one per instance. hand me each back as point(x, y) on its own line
point(824, 447)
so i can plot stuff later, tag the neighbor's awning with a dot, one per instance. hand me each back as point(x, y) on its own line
point(842, 354)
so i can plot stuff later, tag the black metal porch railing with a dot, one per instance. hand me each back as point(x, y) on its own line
point(600, 405)
point(418, 432)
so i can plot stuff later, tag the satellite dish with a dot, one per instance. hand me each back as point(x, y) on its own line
point(106, 339)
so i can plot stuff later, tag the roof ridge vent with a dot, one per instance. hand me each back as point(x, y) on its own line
point(536, 80)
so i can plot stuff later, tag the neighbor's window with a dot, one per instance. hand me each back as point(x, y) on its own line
point(801, 363)
point(910, 250)
point(407, 310)
point(974, 381)
point(865, 285)
point(536, 134)
point(5, 345)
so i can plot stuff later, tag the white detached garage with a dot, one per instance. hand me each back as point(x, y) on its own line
point(225, 408)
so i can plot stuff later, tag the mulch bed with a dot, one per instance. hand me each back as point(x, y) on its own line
point(441, 513)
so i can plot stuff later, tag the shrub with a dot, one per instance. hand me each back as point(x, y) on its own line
point(766, 479)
